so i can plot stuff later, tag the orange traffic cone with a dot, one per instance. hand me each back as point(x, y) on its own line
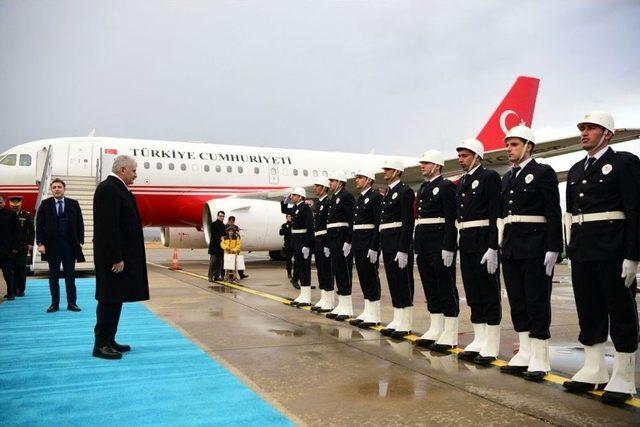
point(175, 265)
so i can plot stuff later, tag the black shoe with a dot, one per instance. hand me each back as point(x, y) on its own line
point(615, 397)
point(20, 294)
point(217, 279)
point(9, 297)
point(580, 387)
point(120, 347)
point(341, 317)
point(288, 275)
point(52, 308)
point(536, 376)
point(324, 310)
point(387, 332)
point(315, 308)
point(106, 352)
point(243, 276)
point(303, 304)
point(73, 307)
point(367, 325)
point(355, 322)
point(210, 280)
point(332, 315)
point(296, 285)
point(513, 370)
point(484, 360)
point(399, 334)
point(441, 348)
point(425, 343)
point(468, 356)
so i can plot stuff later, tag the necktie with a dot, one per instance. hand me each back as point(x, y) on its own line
point(514, 172)
point(464, 178)
point(59, 207)
point(590, 161)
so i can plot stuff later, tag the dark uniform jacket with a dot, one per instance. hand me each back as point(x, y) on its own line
point(26, 235)
point(218, 231)
point(285, 232)
point(9, 241)
point(436, 199)
point(340, 210)
point(118, 237)
point(47, 228)
point(533, 192)
point(397, 206)
point(478, 197)
point(320, 212)
point(612, 183)
point(367, 211)
point(302, 219)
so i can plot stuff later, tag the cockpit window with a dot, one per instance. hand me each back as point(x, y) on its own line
point(25, 160)
point(9, 160)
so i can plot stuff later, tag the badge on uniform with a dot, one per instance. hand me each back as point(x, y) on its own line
point(528, 178)
point(606, 169)
point(366, 200)
point(435, 191)
point(296, 212)
point(337, 200)
point(475, 184)
point(394, 195)
point(321, 207)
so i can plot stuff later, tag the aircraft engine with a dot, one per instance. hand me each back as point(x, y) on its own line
point(182, 237)
point(259, 221)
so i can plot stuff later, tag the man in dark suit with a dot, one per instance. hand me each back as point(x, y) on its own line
point(215, 251)
point(478, 208)
point(26, 235)
point(119, 255)
point(8, 246)
point(603, 210)
point(60, 236)
point(532, 225)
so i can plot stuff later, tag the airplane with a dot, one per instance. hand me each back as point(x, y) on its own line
point(181, 185)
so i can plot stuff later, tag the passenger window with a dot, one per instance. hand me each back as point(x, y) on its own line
point(256, 170)
point(218, 168)
point(240, 169)
point(315, 173)
point(229, 169)
point(183, 167)
point(324, 173)
point(295, 172)
point(305, 172)
point(147, 165)
point(206, 168)
point(159, 166)
point(9, 160)
point(171, 166)
point(25, 160)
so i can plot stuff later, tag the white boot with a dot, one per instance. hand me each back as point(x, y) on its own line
point(491, 346)
point(623, 376)
point(396, 318)
point(365, 312)
point(594, 370)
point(338, 308)
point(323, 297)
point(329, 302)
point(377, 312)
point(372, 317)
point(539, 361)
point(479, 334)
point(523, 355)
point(305, 296)
point(346, 306)
point(449, 336)
point(299, 297)
point(406, 320)
point(435, 329)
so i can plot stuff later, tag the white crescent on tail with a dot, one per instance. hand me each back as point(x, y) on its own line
point(503, 120)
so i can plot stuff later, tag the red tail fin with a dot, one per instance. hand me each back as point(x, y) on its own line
point(516, 108)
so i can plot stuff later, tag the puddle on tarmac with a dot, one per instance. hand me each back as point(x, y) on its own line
point(222, 289)
point(393, 388)
point(345, 333)
point(569, 357)
point(213, 313)
point(288, 332)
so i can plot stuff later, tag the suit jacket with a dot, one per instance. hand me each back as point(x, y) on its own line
point(9, 232)
point(367, 211)
point(478, 197)
point(533, 192)
point(302, 219)
point(320, 212)
point(218, 231)
point(397, 206)
point(612, 183)
point(118, 237)
point(436, 199)
point(47, 228)
point(340, 210)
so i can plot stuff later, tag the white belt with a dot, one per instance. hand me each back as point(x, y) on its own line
point(363, 226)
point(337, 224)
point(472, 224)
point(390, 225)
point(320, 233)
point(537, 219)
point(600, 216)
point(298, 230)
point(438, 220)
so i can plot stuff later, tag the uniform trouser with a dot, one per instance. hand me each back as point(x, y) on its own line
point(215, 265)
point(400, 280)
point(288, 262)
point(19, 276)
point(439, 284)
point(602, 298)
point(6, 265)
point(367, 275)
point(481, 289)
point(302, 267)
point(107, 319)
point(68, 259)
point(323, 266)
point(529, 291)
point(342, 268)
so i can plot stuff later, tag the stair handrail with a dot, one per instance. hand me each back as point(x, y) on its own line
point(43, 189)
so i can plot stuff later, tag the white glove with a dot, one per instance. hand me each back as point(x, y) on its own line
point(346, 249)
point(305, 252)
point(629, 269)
point(447, 258)
point(550, 259)
point(402, 258)
point(327, 252)
point(372, 255)
point(491, 259)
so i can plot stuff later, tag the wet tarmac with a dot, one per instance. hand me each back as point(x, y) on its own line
point(319, 371)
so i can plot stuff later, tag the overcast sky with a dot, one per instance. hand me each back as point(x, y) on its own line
point(393, 76)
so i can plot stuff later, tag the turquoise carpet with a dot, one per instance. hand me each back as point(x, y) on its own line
point(48, 376)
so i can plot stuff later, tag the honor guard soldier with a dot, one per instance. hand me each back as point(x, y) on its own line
point(366, 247)
point(478, 206)
point(396, 235)
point(435, 246)
point(530, 235)
point(601, 225)
point(339, 230)
point(26, 237)
point(9, 246)
point(321, 248)
point(302, 241)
